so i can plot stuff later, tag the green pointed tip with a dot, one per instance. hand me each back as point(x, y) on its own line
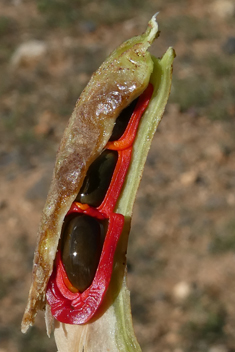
point(152, 29)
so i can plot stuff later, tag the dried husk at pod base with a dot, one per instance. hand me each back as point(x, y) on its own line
point(118, 81)
point(113, 329)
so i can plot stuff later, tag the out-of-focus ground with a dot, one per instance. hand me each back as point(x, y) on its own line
point(182, 245)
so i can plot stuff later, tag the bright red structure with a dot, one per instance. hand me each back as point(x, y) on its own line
point(67, 304)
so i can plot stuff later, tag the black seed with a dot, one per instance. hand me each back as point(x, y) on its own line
point(82, 240)
point(98, 178)
point(122, 121)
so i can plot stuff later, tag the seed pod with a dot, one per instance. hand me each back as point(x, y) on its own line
point(113, 330)
point(118, 81)
point(122, 78)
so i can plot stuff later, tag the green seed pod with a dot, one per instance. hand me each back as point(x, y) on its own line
point(113, 330)
point(119, 80)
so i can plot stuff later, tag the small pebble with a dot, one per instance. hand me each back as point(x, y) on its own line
point(223, 8)
point(218, 348)
point(189, 177)
point(181, 291)
point(29, 54)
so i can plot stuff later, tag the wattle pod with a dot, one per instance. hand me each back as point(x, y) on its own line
point(113, 329)
point(120, 79)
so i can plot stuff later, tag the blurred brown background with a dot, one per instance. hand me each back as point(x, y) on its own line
point(181, 252)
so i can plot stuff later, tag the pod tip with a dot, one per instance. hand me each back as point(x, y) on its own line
point(152, 29)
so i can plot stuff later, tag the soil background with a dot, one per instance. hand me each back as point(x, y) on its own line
point(181, 253)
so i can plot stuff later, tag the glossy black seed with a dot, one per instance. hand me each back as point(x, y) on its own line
point(98, 178)
point(122, 121)
point(82, 240)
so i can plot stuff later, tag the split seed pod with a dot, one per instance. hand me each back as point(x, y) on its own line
point(122, 78)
